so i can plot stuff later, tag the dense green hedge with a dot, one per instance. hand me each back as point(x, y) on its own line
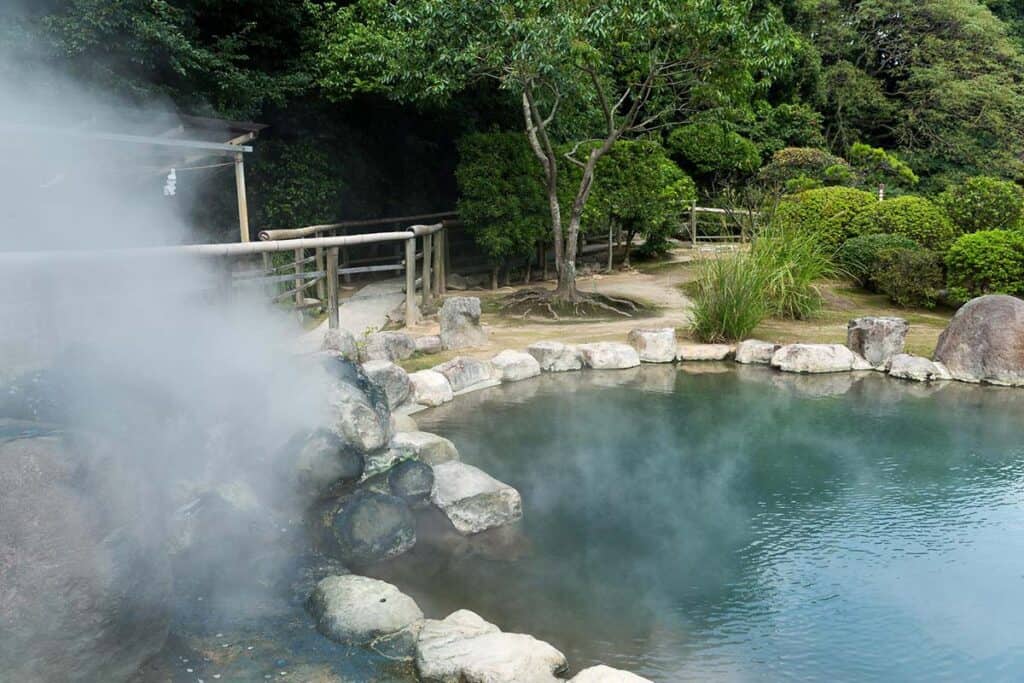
point(913, 217)
point(986, 262)
point(796, 168)
point(712, 148)
point(984, 203)
point(859, 256)
point(910, 277)
point(827, 212)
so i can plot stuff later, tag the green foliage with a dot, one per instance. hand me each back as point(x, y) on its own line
point(913, 217)
point(296, 184)
point(796, 168)
point(859, 256)
point(910, 277)
point(729, 303)
point(786, 125)
point(986, 262)
point(984, 203)
point(828, 213)
point(876, 167)
point(790, 261)
point(502, 194)
point(712, 148)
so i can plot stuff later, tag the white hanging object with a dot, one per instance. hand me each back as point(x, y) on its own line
point(171, 186)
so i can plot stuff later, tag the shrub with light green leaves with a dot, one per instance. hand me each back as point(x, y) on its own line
point(858, 257)
point(984, 203)
point(986, 262)
point(910, 216)
point(828, 213)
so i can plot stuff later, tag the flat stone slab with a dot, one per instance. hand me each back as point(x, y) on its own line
point(430, 388)
point(606, 674)
point(430, 448)
point(553, 356)
point(917, 368)
point(610, 356)
point(473, 500)
point(654, 345)
point(513, 366)
point(363, 611)
point(463, 372)
point(755, 352)
point(815, 358)
point(463, 648)
point(704, 352)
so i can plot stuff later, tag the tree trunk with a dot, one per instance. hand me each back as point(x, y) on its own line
point(494, 277)
point(630, 234)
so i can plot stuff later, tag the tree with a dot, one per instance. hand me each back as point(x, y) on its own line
point(582, 71)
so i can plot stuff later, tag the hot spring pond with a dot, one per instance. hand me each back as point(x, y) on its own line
point(716, 523)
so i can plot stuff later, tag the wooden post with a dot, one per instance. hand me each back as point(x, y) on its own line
point(611, 247)
point(332, 288)
point(445, 262)
point(410, 281)
point(426, 285)
point(693, 223)
point(438, 266)
point(243, 205)
point(320, 283)
point(298, 278)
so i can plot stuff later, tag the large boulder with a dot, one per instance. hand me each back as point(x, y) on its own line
point(391, 378)
point(359, 407)
point(358, 610)
point(703, 352)
point(877, 339)
point(473, 500)
point(430, 388)
point(606, 674)
point(460, 323)
point(513, 366)
point(321, 459)
point(654, 345)
point(755, 352)
point(611, 355)
point(916, 368)
point(555, 356)
point(368, 527)
point(463, 372)
point(85, 585)
point(984, 341)
point(412, 481)
point(463, 648)
point(340, 341)
point(430, 448)
point(403, 422)
point(815, 358)
point(390, 346)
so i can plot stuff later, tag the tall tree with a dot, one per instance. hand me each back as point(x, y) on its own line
point(585, 73)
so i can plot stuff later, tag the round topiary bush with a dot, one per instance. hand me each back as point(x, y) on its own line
point(712, 148)
point(859, 256)
point(984, 203)
point(913, 217)
point(827, 212)
point(796, 166)
point(909, 277)
point(986, 262)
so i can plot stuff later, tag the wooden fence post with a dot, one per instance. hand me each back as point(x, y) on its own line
point(320, 284)
point(299, 292)
point(428, 241)
point(332, 288)
point(693, 223)
point(438, 265)
point(410, 281)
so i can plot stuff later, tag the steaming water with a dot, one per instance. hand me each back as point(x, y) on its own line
point(746, 525)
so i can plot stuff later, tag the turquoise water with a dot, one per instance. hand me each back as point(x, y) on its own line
point(723, 524)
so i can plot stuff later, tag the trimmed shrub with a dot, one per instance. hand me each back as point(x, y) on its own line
point(798, 164)
point(913, 217)
point(790, 261)
point(910, 277)
point(876, 166)
point(730, 301)
point(986, 262)
point(858, 257)
point(984, 203)
point(713, 148)
point(828, 213)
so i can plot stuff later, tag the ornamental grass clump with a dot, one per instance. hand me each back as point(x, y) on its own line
point(790, 262)
point(730, 300)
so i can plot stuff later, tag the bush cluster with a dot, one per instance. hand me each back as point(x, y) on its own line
point(798, 168)
point(859, 256)
point(910, 216)
point(829, 213)
point(984, 203)
point(986, 262)
point(910, 277)
point(713, 148)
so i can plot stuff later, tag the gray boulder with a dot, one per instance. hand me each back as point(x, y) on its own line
point(412, 481)
point(430, 343)
point(430, 448)
point(984, 341)
point(391, 378)
point(755, 352)
point(356, 417)
point(390, 346)
point(340, 341)
point(654, 345)
point(513, 366)
point(463, 372)
point(611, 355)
point(403, 422)
point(430, 388)
point(460, 323)
point(358, 610)
point(916, 368)
point(555, 356)
point(815, 358)
point(368, 527)
point(703, 352)
point(473, 500)
point(321, 459)
point(877, 339)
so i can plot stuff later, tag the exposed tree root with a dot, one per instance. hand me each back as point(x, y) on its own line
point(525, 302)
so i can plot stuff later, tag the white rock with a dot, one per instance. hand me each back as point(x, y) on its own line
point(387, 346)
point(606, 674)
point(654, 345)
point(703, 352)
point(355, 418)
point(364, 611)
point(877, 338)
point(391, 378)
point(430, 388)
point(460, 323)
point(463, 648)
point(610, 356)
point(430, 343)
point(341, 341)
point(473, 500)
point(917, 368)
point(463, 372)
point(814, 358)
point(512, 366)
point(430, 448)
point(555, 356)
point(755, 351)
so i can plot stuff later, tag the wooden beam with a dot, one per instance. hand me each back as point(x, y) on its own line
point(410, 281)
point(426, 284)
point(332, 288)
point(243, 203)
